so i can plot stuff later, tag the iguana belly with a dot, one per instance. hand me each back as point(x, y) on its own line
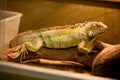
point(62, 38)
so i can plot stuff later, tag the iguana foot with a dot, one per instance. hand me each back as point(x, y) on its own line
point(23, 52)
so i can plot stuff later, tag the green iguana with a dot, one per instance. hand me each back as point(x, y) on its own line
point(61, 37)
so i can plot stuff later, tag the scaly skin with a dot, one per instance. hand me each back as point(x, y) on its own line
point(81, 34)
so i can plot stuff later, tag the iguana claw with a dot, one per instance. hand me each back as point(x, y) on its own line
point(23, 52)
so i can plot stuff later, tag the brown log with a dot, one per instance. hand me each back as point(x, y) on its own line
point(107, 62)
point(55, 62)
point(70, 54)
point(101, 45)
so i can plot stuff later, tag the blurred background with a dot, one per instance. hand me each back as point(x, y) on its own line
point(48, 13)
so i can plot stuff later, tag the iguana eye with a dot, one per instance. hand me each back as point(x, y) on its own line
point(97, 24)
point(94, 26)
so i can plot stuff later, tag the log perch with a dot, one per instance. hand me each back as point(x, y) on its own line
point(107, 62)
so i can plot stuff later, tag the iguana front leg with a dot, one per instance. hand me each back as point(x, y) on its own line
point(86, 47)
point(32, 46)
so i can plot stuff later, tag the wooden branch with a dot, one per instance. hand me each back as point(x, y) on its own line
point(55, 62)
point(102, 45)
point(107, 62)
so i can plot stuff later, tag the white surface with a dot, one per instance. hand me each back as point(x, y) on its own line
point(9, 26)
point(45, 73)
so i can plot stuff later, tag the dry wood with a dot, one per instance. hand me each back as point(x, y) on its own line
point(70, 55)
point(107, 62)
point(55, 62)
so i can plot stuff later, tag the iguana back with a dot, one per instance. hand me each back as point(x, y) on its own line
point(61, 36)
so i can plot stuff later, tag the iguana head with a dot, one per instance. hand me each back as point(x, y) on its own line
point(96, 28)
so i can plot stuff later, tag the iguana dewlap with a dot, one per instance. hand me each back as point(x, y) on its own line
point(60, 37)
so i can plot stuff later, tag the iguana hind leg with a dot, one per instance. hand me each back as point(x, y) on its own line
point(32, 46)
